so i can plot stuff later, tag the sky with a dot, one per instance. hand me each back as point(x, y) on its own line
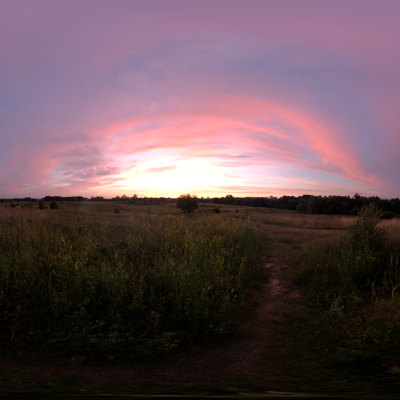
point(208, 97)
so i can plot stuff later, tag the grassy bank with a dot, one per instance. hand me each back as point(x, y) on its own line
point(124, 285)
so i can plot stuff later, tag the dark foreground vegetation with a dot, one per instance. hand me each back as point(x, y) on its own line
point(125, 286)
point(93, 284)
point(355, 280)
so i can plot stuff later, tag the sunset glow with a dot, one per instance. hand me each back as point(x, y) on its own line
point(159, 98)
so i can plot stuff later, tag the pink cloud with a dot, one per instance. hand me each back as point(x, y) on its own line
point(92, 91)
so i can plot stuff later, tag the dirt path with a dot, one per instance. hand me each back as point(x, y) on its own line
point(265, 353)
point(240, 360)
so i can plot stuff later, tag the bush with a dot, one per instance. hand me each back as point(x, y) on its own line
point(13, 205)
point(41, 204)
point(362, 255)
point(364, 233)
point(217, 210)
point(54, 205)
point(356, 278)
point(187, 203)
point(363, 258)
point(389, 215)
point(354, 212)
point(117, 210)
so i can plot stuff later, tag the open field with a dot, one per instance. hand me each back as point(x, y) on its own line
point(112, 291)
point(133, 280)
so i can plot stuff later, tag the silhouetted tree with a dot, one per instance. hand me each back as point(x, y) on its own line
point(187, 203)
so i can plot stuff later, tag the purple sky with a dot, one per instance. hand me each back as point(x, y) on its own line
point(212, 97)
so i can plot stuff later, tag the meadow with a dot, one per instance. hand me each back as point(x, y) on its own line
point(104, 281)
point(354, 279)
point(118, 279)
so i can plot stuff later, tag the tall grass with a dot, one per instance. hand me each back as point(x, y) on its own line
point(310, 221)
point(357, 276)
point(134, 286)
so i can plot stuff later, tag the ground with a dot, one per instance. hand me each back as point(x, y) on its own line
point(268, 347)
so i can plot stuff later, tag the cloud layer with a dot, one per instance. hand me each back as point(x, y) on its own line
point(161, 98)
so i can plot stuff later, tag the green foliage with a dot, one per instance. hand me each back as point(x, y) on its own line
point(356, 278)
point(364, 258)
point(13, 205)
point(364, 231)
point(136, 287)
point(187, 203)
point(53, 205)
point(361, 255)
point(216, 210)
point(41, 204)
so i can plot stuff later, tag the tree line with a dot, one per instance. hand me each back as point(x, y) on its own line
point(308, 204)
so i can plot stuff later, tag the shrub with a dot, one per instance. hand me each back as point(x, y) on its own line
point(354, 212)
point(363, 232)
point(41, 204)
point(187, 203)
point(217, 210)
point(13, 205)
point(54, 205)
point(363, 258)
point(356, 278)
point(117, 210)
point(389, 215)
point(362, 255)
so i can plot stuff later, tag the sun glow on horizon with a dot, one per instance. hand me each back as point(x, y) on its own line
point(249, 101)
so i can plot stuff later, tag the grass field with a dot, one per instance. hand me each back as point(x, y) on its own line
point(88, 279)
point(102, 281)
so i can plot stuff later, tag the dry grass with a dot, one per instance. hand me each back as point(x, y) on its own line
point(314, 222)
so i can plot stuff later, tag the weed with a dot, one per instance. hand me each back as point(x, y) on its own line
point(356, 277)
point(139, 285)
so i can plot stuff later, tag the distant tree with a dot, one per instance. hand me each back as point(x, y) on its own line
point(42, 206)
point(187, 203)
point(229, 199)
point(134, 198)
point(54, 205)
